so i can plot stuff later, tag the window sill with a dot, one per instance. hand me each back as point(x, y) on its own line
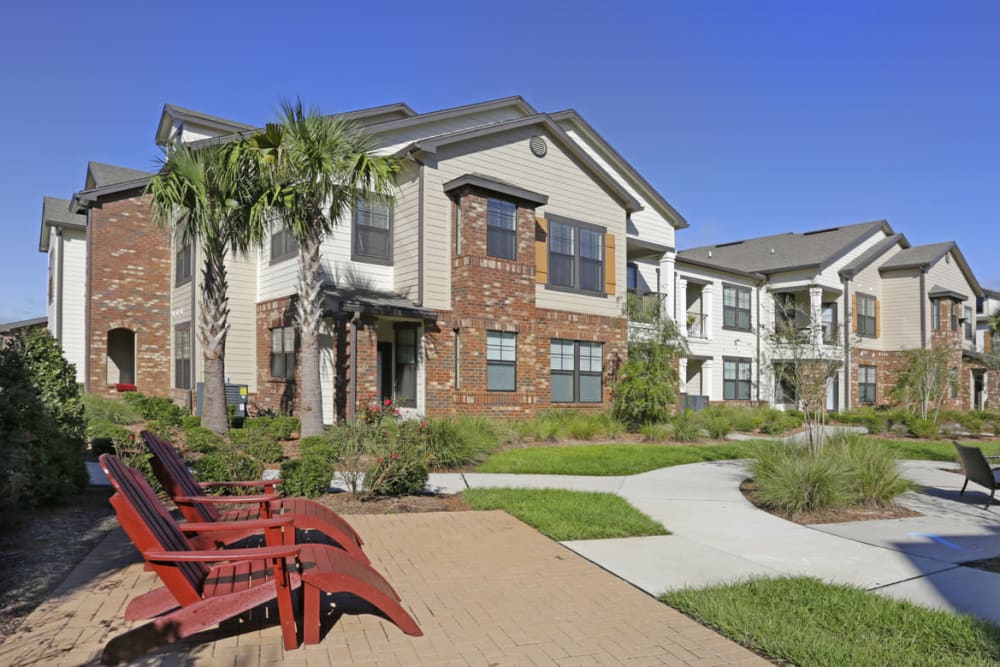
point(575, 290)
point(283, 258)
point(367, 259)
point(746, 330)
point(182, 283)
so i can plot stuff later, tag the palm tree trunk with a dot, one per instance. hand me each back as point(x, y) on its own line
point(213, 329)
point(310, 311)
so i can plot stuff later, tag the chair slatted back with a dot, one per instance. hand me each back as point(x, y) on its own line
point(151, 528)
point(176, 479)
point(975, 466)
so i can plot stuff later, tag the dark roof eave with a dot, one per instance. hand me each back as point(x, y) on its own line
point(494, 185)
point(87, 198)
point(753, 275)
point(947, 294)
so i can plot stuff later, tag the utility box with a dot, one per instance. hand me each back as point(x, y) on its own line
point(695, 402)
point(236, 394)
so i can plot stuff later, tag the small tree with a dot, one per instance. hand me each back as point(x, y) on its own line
point(924, 380)
point(644, 388)
point(805, 359)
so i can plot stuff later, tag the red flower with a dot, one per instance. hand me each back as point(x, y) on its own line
point(395, 456)
point(381, 460)
point(388, 402)
point(423, 424)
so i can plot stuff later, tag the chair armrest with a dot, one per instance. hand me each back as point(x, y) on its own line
point(224, 526)
point(228, 500)
point(247, 484)
point(219, 556)
point(997, 458)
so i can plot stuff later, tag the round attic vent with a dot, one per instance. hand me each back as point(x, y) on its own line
point(538, 146)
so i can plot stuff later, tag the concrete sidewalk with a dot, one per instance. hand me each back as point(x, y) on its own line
point(719, 537)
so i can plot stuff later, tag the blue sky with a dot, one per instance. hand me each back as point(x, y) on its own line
point(750, 117)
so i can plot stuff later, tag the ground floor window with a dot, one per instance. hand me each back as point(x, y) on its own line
point(501, 361)
point(283, 353)
point(866, 384)
point(953, 380)
point(182, 356)
point(405, 374)
point(736, 379)
point(577, 371)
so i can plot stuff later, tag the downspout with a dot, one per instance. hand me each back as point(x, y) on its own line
point(757, 338)
point(847, 342)
point(353, 407)
point(420, 232)
point(192, 338)
point(923, 307)
point(60, 248)
point(86, 313)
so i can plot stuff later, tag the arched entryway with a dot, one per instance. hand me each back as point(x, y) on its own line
point(121, 356)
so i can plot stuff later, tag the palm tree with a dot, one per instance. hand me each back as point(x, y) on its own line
point(205, 196)
point(993, 324)
point(318, 167)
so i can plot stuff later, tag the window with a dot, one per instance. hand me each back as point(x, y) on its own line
point(866, 384)
point(829, 317)
point(936, 314)
point(736, 379)
point(577, 370)
point(372, 231)
point(784, 311)
point(970, 333)
point(954, 315)
point(458, 229)
point(182, 356)
point(866, 315)
point(283, 246)
point(632, 276)
point(405, 376)
point(458, 359)
point(283, 353)
point(501, 229)
point(736, 307)
point(501, 361)
point(953, 380)
point(183, 270)
point(576, 256)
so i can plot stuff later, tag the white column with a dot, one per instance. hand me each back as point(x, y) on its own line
point(707, 309)
point(680, 305)
point(667, 284)
point(706, 380)
point(816, 314)
point(682, 370)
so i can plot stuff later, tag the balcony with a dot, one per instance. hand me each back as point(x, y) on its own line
point(643, 307)
point(697, 325)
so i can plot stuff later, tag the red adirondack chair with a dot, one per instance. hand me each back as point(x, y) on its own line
point(203, 588)
point(195, 506)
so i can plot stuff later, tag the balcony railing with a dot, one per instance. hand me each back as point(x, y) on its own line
point(697, 325)
point(644, 307)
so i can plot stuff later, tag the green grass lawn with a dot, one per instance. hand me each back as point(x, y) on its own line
point(568, 515)
point(934, 450)
point(803, 621)
point(608, 459)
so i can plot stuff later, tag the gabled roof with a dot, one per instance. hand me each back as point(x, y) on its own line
point(13, 327)
point(862, 261)
point(544, 121)
point(106, 179)
point(372, 115)
point(613, 157)
point(938, 292)
point(172, 111)
point(56, 213)
point(991, 293)
point(452, 112)
point(698, 264)
point(924, 256)
point(496, 185)
point(786, 252)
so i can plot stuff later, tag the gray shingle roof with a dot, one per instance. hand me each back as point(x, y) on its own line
point(13, 327)
point(55, 211)
point(782, 252)
point(918, 256)
point(868, 256)
point(102, 175)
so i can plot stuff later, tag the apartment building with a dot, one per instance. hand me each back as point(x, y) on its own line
point(858, 292)
point(495, 283)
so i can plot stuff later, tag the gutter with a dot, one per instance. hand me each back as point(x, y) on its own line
point(352, 408)
point(758, 343)
point(86, 312)
point(61, 249)
point(923, 307)
point(420, 232)
point(847, 341)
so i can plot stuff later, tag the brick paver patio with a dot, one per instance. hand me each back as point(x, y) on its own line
point(485, 589)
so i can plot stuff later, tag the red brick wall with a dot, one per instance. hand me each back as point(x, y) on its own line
point(491, 294)
point(129, 287)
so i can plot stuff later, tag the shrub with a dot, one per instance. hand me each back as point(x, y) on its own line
point(105, 409)
point(686, 427)
point(156, 408)
point(190, 421)
point(280, 427)
point(324, 446)
point(452, 443)
point(308, 476)
point(105, 437)
point(656, 431)
point(776, 422)
point(716, 422)
point(399, 472)
point(203, 440)
point(872, 471)
point(875, 422)
point(257, 446)
point(227, 466)
point(743, 419)
point(794, 479)
point(643, 390)
point(925, 429)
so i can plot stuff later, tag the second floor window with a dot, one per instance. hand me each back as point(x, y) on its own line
point(576, 257)
point(283, 353)
point(283, 245)
point(969, 330)
point(954, 315)
point(182, 356)
point(501, 229)
point(736, 307)
point(183, 265)
point(936, 314)
point(866, 315)
point(372, 232)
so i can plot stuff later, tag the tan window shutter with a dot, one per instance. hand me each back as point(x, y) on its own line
point(988, 342)
point(541, 251)
point(854, 312)
point(878, 318)
point(609, 264)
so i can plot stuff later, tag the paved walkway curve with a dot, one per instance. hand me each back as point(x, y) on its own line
point(718, 536)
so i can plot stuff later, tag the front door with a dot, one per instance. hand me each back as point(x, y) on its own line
point(833, 393)
point(384, 372)
point(977, 389)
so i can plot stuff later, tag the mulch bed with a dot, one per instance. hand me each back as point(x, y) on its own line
point(346, 503)
point(835, 515)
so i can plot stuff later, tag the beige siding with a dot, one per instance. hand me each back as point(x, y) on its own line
point(901, 309)
point(572, 193)
point(274, 280)
point(947, 274)
point(393, 141)
point(74, 286)
point(405, 227)
point(183, 308)
point(241, 344)
point(869, 281)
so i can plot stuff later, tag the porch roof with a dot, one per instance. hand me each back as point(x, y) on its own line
point(372, 302)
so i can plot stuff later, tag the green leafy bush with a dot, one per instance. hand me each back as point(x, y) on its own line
point(106, 409)
point(325, 446)
point(643, 390)
point(398, 472)
point(715, 420)
point(190, 421)
point(776, 422)
point(228, 465)
point(656, 431)
point(203, 440)
point(686, 427)
point(925, 429)
point(452, 443)
point(308, 476)
point(105, 437)
point(279, 427)
point(156, 408)
point(873, 474)
point(260, 448)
